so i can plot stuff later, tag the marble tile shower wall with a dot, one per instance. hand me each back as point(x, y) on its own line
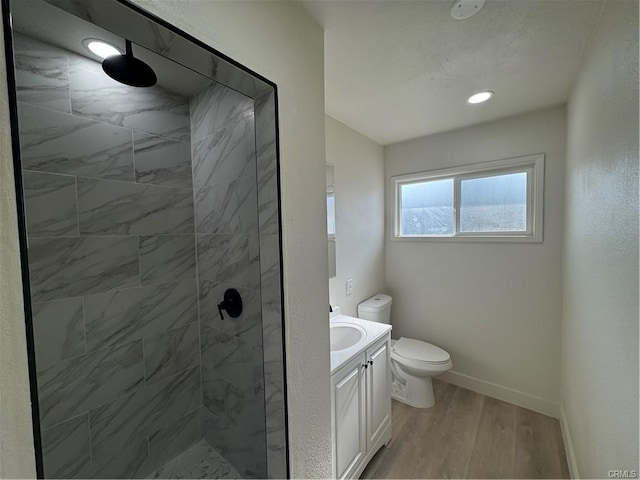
point(270, 252)
point(238, 245)
point(112, 258)
point(229, 254)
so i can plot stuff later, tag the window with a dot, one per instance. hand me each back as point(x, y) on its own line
point(426, 208)
point(331, 214)
point(493, 201)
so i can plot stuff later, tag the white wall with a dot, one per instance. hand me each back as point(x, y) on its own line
point(16, 438)
point(495, 307)
point(359, 183)
point(600, 320)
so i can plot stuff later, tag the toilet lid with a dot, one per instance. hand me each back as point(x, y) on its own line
point(420, 351)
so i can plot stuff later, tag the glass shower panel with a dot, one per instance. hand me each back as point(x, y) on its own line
point(143, 206)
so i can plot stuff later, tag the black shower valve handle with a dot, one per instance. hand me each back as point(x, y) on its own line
point(232, 303)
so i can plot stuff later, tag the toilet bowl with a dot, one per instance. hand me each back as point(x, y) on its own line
point(413, 362)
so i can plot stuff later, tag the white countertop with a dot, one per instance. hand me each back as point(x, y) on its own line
point(373, 332)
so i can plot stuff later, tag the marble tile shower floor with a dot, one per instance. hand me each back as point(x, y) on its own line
point(200, 461)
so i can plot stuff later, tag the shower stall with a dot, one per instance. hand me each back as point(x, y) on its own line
point(141, 209)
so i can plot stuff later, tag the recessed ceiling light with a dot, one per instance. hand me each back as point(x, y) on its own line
point(480, 97)
point(100, 48)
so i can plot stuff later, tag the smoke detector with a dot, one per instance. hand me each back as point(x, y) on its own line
point(462, 9)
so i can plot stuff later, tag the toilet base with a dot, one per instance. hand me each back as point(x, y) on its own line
point(415, 392)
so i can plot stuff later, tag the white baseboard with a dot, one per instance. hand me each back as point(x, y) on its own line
point(568, 445)
point(505, 394)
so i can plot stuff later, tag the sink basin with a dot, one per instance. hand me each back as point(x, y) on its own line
point(343, 336)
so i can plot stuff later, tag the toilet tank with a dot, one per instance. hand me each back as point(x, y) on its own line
point(376, 308)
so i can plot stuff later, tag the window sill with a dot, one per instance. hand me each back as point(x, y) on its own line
point(472, 239)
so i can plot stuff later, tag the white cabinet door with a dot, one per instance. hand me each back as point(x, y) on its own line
point(378, 391)
point(348, 388)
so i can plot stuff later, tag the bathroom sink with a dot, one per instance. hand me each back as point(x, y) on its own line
point(343, 336)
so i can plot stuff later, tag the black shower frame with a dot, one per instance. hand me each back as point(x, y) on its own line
point(22, 229)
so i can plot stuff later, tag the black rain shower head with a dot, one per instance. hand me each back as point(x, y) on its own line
point(129, 70)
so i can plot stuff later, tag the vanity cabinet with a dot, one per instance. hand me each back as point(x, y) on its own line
point(361, 409)
point(349, 417)
point(378, 396)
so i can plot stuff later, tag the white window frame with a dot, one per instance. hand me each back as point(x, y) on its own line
point(532, 164)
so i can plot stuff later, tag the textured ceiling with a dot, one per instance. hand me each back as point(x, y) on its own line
point(396, 70)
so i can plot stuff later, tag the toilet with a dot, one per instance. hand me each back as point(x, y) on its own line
point(413, 362)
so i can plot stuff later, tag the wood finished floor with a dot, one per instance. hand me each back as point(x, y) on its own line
point(469, 435)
